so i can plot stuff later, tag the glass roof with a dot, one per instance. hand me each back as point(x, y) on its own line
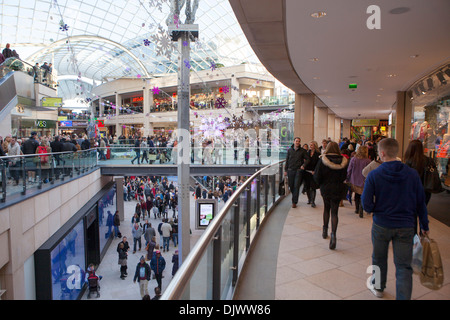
point(108, 39)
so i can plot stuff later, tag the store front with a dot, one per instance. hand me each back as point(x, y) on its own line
point(430, 100)
point(61, 262)
point(369, 129)
point(23, 127)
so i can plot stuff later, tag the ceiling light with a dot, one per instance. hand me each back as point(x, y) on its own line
point(399, 10)
point(318, 14)
point(392, 75)
point(414, 56)
point(316, 78)
point(422, 88)
point(440, 76)
point(314, 59)
point(430, 84)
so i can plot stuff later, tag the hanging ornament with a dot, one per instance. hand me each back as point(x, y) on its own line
point(146, 42)
point(155, 90)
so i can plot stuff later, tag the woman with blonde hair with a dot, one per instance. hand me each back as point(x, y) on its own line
point(330, 174)
point(355, 176)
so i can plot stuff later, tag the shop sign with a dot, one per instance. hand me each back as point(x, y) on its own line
point(79, 123)
point(65, 123)
point(365, 122)
point(62, 118)
point(138, 99)
point(51, 102)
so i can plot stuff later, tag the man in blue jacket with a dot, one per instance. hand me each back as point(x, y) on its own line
point(395, 195)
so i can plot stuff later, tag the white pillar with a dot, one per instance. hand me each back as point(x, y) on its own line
point(331, 125)
point(337, 129)
point(304, 117)
point(320, 124)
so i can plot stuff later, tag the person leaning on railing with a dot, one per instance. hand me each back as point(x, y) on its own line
point(14, 163)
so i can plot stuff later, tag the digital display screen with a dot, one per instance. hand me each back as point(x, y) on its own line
point(206, 214)
point(106, 208)
point(67, 265)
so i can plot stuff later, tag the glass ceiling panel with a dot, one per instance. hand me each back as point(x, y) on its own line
point(117, 31)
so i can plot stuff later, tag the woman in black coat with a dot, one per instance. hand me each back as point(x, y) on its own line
point(310, 185)
point(330, 174)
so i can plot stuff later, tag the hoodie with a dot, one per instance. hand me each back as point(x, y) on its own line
point(394, 193)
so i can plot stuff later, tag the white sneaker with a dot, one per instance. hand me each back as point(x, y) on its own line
point(376, 292)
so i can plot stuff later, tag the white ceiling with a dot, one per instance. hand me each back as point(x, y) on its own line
point(347, 51)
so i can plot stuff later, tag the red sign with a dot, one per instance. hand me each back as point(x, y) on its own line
point(138, 99)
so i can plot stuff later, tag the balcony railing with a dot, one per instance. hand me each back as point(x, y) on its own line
point(213, 266)
point(40, 75)
point(122, 154)
point(21, 173)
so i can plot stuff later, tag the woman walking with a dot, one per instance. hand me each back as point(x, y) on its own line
point(356, 178)
point(416, 159)
point(310, 185)
point(330, 174)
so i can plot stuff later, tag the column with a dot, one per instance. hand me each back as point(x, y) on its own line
point(304, 117)
point(346, 128)
point(119, 128)
point(235, 92)
point(148, 100)
point(331, 125)
point(119, 198)
point(101, 108)
point(320, 124)
point(403, 122)
point(337, 129)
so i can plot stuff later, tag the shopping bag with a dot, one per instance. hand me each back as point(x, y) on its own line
point(417, 258)
point(432, 273)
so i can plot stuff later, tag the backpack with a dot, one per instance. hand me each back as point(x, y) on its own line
point(44, 158)
point(432, 274)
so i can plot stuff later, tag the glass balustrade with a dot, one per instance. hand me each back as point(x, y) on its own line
point(125, 155)
point(40, 75)
point(22, 173)
point(213, 266)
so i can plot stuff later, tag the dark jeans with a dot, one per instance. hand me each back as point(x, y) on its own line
point(330, 207)
point(295, 178)
point(402, 245)
point(138, 155)
point(138, 241)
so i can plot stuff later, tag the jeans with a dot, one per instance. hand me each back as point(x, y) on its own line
point(402, 244)
point(166, 241)
point(116, 231)
point(137, 157)
point(295, 178)
point(175, 239)
point(137, 240)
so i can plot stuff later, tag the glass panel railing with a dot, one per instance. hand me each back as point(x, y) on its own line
point(212, 268)
point(27, 172)
point(40, 75)
point(121, 155)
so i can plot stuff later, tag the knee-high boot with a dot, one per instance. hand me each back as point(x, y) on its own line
point(313, 197)
point(357, 203)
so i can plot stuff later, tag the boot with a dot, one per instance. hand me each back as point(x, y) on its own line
point(308, 194)
point(324, 232)
point(357, 202)
point(313, 198)
point(361, 210)
point(332, 241)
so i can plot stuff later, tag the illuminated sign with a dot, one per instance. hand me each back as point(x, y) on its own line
point(51, 102)
point(65, 124)
point(365, 122)
point(138, 99)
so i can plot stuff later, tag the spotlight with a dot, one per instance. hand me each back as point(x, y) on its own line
point(440, 76)
point(447, 72)
point(422, 88)
point(430, 84)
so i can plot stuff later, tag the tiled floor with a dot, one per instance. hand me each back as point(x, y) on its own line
point(308, 269)
point(294, 260)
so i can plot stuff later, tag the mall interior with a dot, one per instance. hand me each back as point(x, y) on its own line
point(207, 96)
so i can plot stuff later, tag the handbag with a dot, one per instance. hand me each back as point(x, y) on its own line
point(432, 273)
point(431, 181)
point(281, 188)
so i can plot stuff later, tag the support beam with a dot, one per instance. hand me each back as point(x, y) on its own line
point(304, 117)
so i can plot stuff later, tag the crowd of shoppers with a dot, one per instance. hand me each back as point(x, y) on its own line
point(384, 186)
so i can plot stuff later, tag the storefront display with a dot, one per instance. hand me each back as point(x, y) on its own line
point(430, 121)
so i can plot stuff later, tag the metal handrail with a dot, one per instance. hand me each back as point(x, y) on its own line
point(184, 274)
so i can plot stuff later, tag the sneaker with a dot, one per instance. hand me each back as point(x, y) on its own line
point(376, 292)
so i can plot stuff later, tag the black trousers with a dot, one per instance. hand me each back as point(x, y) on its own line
point(295, 178)
point(331, 207)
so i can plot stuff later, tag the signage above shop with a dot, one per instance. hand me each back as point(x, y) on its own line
point(138, 99)
point(51, 102)
point(66, 123)
point(365, 122)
